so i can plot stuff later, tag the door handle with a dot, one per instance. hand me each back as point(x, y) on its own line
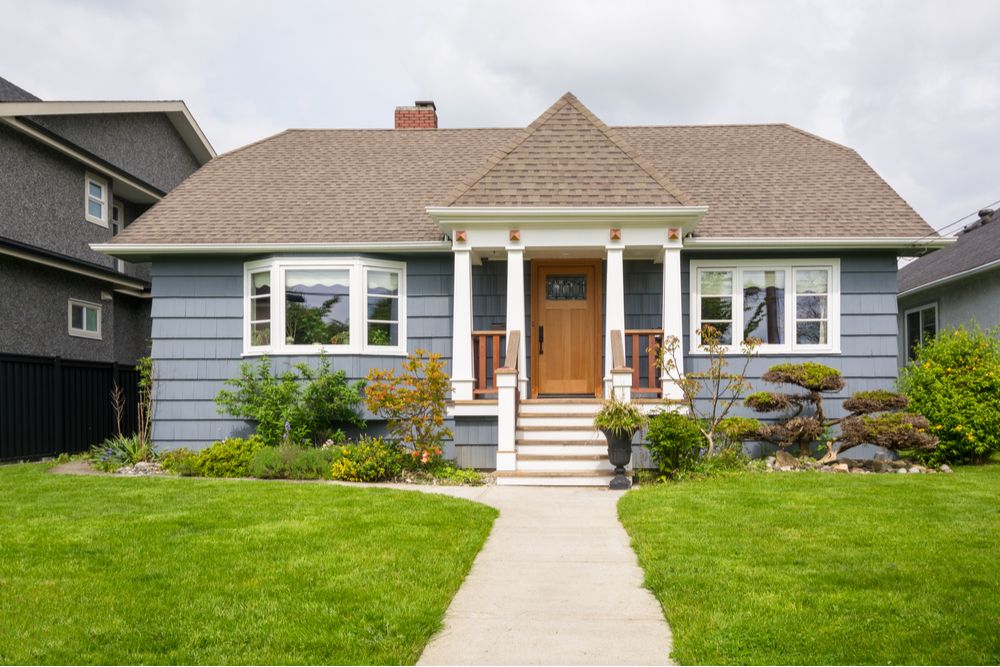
point(541, 337)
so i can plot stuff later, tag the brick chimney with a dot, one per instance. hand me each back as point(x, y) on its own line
point(421, 116)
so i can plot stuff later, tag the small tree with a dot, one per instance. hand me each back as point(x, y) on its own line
point(413, 403)
point(717, 387)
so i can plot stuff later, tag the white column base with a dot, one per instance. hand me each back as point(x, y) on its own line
point(621, 384)
point(461, 389)
point(507, 461)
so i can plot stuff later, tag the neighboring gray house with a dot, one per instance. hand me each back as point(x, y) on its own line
point(958, 285)
point(73, 174)
point(541, 262)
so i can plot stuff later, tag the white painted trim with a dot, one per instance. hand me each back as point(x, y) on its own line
point(462, 379)
point(949, 279)
point(789, 266)
point(357, 267)
point(515, 313)
point(906, 325)
point(614, 314)
point(105, 199)
point(817, 243)
point(486, 408)
point(126, 250)
point(123, 282)
point(176, 110)
point(83, 333)
point(567, 214)
point(673, 317)
point(131, 187)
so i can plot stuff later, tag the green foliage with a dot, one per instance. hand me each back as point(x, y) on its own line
point(181, 461)
point(898, 431)
point(876, 400)
point(297, 406)
point(369, 460)
point(768, 401)
point(674, 441)
point(228, 458)
point(444, 473)
point(739, 428)
point(268, 463)
point(954, 381)
point(808, 375)
point(121, 450)
point(620, 418)
point(291, 462)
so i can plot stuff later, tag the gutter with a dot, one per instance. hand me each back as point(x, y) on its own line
point(818, 243)
point(950, 279)
point(81, 267)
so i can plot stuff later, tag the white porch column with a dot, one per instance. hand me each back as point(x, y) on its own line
point(515, 312)
point(672, 317)
point(462, 379)
point(614, 313)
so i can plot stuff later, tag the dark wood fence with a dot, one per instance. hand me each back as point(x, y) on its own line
point(49, 406)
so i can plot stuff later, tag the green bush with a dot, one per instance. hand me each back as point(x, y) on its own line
point(228, 458)
point(369, 460)
point(297, 406)
point(311, 463)
point(291, 462)
point(180, 461)
point(121, 450)
point(268, 463)
point(954, 382)
point(674, 441)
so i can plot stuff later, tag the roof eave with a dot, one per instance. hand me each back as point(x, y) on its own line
point(144, 252)
point(449, 217)
point(995, 264)
point(904, 245)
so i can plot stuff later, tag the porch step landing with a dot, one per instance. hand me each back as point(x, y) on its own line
point(557, 445)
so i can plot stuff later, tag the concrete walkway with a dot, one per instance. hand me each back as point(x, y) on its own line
point(556, 584)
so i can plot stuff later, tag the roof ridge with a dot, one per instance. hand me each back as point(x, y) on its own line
point(818, 138)
point(252, 144)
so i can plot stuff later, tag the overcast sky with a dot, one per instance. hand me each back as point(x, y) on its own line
point(913, 86)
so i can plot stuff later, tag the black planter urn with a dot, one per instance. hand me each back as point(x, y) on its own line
point(619, 453)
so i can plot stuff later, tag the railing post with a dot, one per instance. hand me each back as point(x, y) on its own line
point(507, 391)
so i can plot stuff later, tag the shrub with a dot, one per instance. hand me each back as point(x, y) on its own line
point(413, 402)
point(228, 458)
point(268, 463)
point(297, 406)
point(180, 461)
point(311, 463)
point(673, 441)
point(121, 450)
point(369, 460)
point(620, 418)
point(954, 382)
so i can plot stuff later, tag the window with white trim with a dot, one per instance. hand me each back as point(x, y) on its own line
point(790, 305)
point(332, 305)
point(921, 326)
point(117, 224)
point(84, 319)
point(95, 191)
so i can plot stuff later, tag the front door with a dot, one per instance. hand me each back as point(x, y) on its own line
point(566, 327)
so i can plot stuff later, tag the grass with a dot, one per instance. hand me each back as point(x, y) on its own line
point(815, 568)
point(101, 570)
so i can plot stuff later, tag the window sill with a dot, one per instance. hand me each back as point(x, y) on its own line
point(393, 352)
point(85, 334)
point(96, 221)
point(774, 352)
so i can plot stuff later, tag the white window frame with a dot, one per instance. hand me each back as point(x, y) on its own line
point(83, 333)
point(105, 199)
point(358, 268)
point(116, 228)
point(906, 325)
point(789, 266)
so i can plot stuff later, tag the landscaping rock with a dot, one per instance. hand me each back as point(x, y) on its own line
point(901, 471)
point(783, 459)
point(842, 467)
point(945, 468)
point(915, 470)
point(142, 468)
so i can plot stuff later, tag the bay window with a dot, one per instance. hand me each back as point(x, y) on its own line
point(332, 305)
point(790, 305)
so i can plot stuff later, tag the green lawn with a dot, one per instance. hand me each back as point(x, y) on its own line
point(101, 570)
point(815, 568)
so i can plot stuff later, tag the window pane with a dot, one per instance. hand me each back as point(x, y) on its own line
point(95, 190)
point(912, 333)
point(717, 283)
point(725, 328)
point(928, 328)
point(383, 334)
point(716, 308)
point(76, 317)
point(261, 283)
point(764, 306)
point(95, 209)
point(91, 319)
point(812, 281)
point(811, 307)
point(383, 282)
point(810, 333)
point(317, 306)
point(384, 308)
point(260, 308)
point(116, 213)
point(260, 333)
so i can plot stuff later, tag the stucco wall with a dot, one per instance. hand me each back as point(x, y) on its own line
point(143, 144)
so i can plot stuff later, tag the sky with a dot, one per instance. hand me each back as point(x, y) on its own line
point(913, 86)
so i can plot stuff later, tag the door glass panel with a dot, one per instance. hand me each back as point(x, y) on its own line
point(566, 288)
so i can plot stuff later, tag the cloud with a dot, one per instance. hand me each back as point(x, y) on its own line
point(914, 87)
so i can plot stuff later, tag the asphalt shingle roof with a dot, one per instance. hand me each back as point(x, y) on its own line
point(971, 250)
point(11, 93)
point(369, 186)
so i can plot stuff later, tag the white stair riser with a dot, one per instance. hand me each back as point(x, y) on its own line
point(564, 465)
point(604, 480)
point(584, 421)
point(556, 449)
point(561, 435)
point(563, 409)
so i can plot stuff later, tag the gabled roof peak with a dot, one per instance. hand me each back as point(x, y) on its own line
point(566, 157)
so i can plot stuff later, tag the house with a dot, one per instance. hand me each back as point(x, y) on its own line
point(958, 285)
point(73, 174)
point(541, 262)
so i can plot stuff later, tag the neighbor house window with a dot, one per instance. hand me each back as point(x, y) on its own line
point(334, 305)
point(789, 305)
point(95, 199)
point(921, 327)
point(84, 319)
point(117, 224)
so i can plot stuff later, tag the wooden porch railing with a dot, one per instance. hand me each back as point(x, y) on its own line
point(487, 357)
point(644, 345)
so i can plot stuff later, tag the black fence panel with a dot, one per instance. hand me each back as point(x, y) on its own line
point(49, 406)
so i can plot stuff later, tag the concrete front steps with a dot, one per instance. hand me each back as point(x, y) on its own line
point(557, 445)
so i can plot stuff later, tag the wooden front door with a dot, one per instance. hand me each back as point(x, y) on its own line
point(566, 325)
